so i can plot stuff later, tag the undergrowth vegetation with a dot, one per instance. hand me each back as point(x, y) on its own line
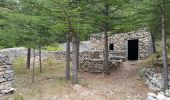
point(52, 80)
point(53, 47)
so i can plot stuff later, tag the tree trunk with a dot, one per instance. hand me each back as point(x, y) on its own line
point(105, 52)
point(67, 71)
point(153, 43)
point(33, 68)
point(164, 50)
point(74, 59)
point(40, 61)
point(105, 55)
point(78, 53)
point(28, 58)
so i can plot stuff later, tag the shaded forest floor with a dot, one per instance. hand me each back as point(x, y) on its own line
point(124, 83)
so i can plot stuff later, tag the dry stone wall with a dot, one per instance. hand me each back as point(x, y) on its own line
point(91, 61)
point(86, 55)
point(6, 76)
point(120, 42)
point(13, 53)
point(94, 66)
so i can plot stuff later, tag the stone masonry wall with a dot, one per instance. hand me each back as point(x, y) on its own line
point(13, 53)
point(6, 76)
point(120, 42)
point(92, 62)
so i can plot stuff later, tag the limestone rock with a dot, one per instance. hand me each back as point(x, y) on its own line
point(160, 96)
point(151, 98)
point(2, 80)
point(11, 90)
point(167, 98)
point(152, 94)
point(167, 92)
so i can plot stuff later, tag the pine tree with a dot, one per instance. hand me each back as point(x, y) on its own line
point(154, 15)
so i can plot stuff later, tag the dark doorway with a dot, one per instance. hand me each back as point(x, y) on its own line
point(133, 49)
point(111, 46)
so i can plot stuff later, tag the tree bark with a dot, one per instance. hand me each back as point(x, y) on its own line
point(28, 58)
point(105, 52)
point(74, 59)
point(40, 59)
point(78, 53)
point(153, 43)
point(67, 71)
point(33, 68)
point(164, 50)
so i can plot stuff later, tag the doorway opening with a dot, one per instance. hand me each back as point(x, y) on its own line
point(133, 50)
point(111, 46)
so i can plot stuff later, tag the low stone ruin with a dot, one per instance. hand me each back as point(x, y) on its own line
point(6, 76)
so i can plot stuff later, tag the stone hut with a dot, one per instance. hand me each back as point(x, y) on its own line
point(131, 45)
point(6, 76)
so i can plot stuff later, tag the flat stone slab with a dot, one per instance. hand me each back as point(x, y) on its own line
point(11, 90)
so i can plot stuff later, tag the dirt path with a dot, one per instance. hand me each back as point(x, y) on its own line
point(123, 84)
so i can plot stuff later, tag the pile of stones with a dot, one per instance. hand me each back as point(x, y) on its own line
point(6, 76)
point(153, 80)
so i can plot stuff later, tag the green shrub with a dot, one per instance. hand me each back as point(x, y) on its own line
point(53, 47)
point(1, 47)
